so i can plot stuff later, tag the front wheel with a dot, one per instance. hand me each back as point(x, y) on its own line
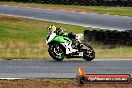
point(88, 53)
point(56, 52)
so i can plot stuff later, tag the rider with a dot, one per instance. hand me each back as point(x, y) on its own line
point(60, 31)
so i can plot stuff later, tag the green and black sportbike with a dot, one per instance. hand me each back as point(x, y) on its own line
point(68, 46)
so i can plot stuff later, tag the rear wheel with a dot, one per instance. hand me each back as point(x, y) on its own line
point(56, 52)
point(88, 53)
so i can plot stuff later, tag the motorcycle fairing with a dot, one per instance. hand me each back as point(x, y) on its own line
point(69, 48)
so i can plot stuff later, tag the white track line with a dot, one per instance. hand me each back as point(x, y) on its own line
point(63, 22)
point(12, 78)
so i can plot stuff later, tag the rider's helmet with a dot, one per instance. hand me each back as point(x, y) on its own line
point(51, 28)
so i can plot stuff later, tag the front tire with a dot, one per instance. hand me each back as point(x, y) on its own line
point(56, 52)
point(88, 53)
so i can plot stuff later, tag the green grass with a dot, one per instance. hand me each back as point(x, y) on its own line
point(25, 38)
point(123, 11)
point(120, 52)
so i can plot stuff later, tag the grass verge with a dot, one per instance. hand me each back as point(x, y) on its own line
point(122, 11)
point(25, 38)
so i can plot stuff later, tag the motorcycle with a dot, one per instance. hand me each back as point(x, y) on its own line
point(61, 46)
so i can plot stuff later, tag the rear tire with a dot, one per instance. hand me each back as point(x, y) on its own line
point(56, 52)
point(88, 53)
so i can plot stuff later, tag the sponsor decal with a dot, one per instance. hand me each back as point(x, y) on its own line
point(83, 78)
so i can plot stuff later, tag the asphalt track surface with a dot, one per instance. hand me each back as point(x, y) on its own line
point(82, 19)
point(24, 69)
